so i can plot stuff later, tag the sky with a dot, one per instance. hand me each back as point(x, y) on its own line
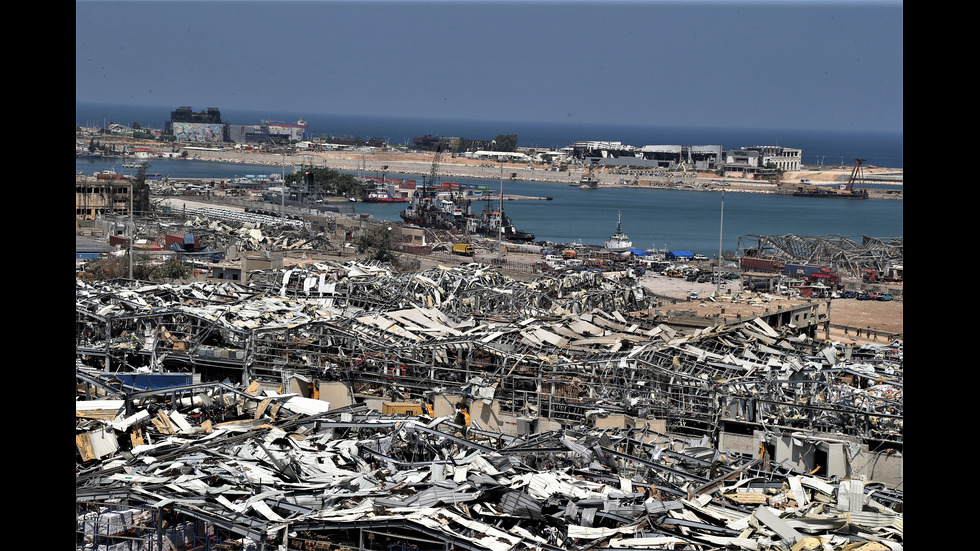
point(815, 65)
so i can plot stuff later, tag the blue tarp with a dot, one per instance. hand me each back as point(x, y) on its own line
point(155, 381)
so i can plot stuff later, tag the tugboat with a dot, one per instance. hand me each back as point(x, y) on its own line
point(382, 194)
point(495, 223)
point(430, 209)
point(453, 212)
point(619, 241)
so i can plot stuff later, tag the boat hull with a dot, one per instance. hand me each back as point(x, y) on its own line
point(832, 195)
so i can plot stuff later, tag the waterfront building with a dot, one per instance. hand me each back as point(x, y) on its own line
point(96, 197)
point(699, 157)
point(774, 156)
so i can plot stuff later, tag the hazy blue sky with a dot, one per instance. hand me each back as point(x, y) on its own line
point(763, 64)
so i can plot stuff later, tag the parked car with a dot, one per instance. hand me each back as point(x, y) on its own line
point(885, 297)
point(847, 294)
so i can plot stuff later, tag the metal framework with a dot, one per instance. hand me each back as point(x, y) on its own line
point(850, 255)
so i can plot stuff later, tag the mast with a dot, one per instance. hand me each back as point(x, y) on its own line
point(500, 221)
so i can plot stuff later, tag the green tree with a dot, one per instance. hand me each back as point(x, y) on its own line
point(141, 190)
point(462, 145)
point(170, 270)
point(505, 142)
point(376, 242)
point(136, 126)
point(330, 182)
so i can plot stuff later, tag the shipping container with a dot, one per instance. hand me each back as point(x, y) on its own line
point(760, 264)
point(118, 241)
point(401, 408)
point(185, 240)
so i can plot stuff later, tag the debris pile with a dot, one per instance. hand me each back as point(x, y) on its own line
point(850, 255)
point(223, 465)
point(348, 405)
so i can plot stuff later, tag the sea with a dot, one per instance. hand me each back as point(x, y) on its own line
point(696, 221)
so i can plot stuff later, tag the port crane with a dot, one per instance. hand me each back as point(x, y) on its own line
point(857, 175)
point(843, 191)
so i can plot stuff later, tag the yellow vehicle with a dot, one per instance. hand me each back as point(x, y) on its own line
point(464, 249)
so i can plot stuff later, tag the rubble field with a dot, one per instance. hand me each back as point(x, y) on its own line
point(345, 405)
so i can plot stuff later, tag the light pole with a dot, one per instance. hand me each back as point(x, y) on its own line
point(132, 226)
point(721, 228)
point(282, 183)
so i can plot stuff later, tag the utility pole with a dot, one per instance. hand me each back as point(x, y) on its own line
point(132, 226)
point(282, 182)
point(721, 229)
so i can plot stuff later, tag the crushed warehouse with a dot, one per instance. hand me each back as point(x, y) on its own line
point(346, 405)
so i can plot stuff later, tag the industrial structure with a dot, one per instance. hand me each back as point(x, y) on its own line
point(746, 161)
point(348, 405)
point(207, 127)
point(848, 255)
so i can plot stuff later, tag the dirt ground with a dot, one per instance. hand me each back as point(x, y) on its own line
point(881, 317)
point(884, 318)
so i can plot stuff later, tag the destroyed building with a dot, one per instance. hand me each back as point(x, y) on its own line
point(346, 405)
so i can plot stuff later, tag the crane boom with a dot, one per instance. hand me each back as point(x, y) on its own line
point(433, 172)
point(857, 174)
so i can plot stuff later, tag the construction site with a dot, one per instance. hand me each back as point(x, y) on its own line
point(344, 403)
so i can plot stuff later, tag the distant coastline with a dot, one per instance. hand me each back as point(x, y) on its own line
point(821, 147)
point(405, 164)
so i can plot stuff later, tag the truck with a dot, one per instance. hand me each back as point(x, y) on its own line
point(891, 273)
point(464, 249)
point(825, 276)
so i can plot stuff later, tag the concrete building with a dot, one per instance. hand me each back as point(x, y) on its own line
point(95, 197)
point(700, 157)
point(780, 158)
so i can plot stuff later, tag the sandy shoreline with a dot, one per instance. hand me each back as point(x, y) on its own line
point(418, 164)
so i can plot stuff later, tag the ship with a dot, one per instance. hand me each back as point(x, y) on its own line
point(495, 223)
point(381, 193)
point(588, 181)
point(431, 209)
point(619, 241)
point(454, 212)
point(843, 191)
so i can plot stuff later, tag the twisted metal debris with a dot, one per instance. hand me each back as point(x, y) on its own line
point(850, 255)
point(518, 378)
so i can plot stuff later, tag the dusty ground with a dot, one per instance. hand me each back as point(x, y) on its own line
point(881, 317)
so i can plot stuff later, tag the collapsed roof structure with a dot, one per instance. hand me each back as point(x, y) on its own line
point(557, 414)
point(850, 255)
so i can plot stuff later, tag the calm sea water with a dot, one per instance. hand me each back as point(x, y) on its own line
point(678, 220)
